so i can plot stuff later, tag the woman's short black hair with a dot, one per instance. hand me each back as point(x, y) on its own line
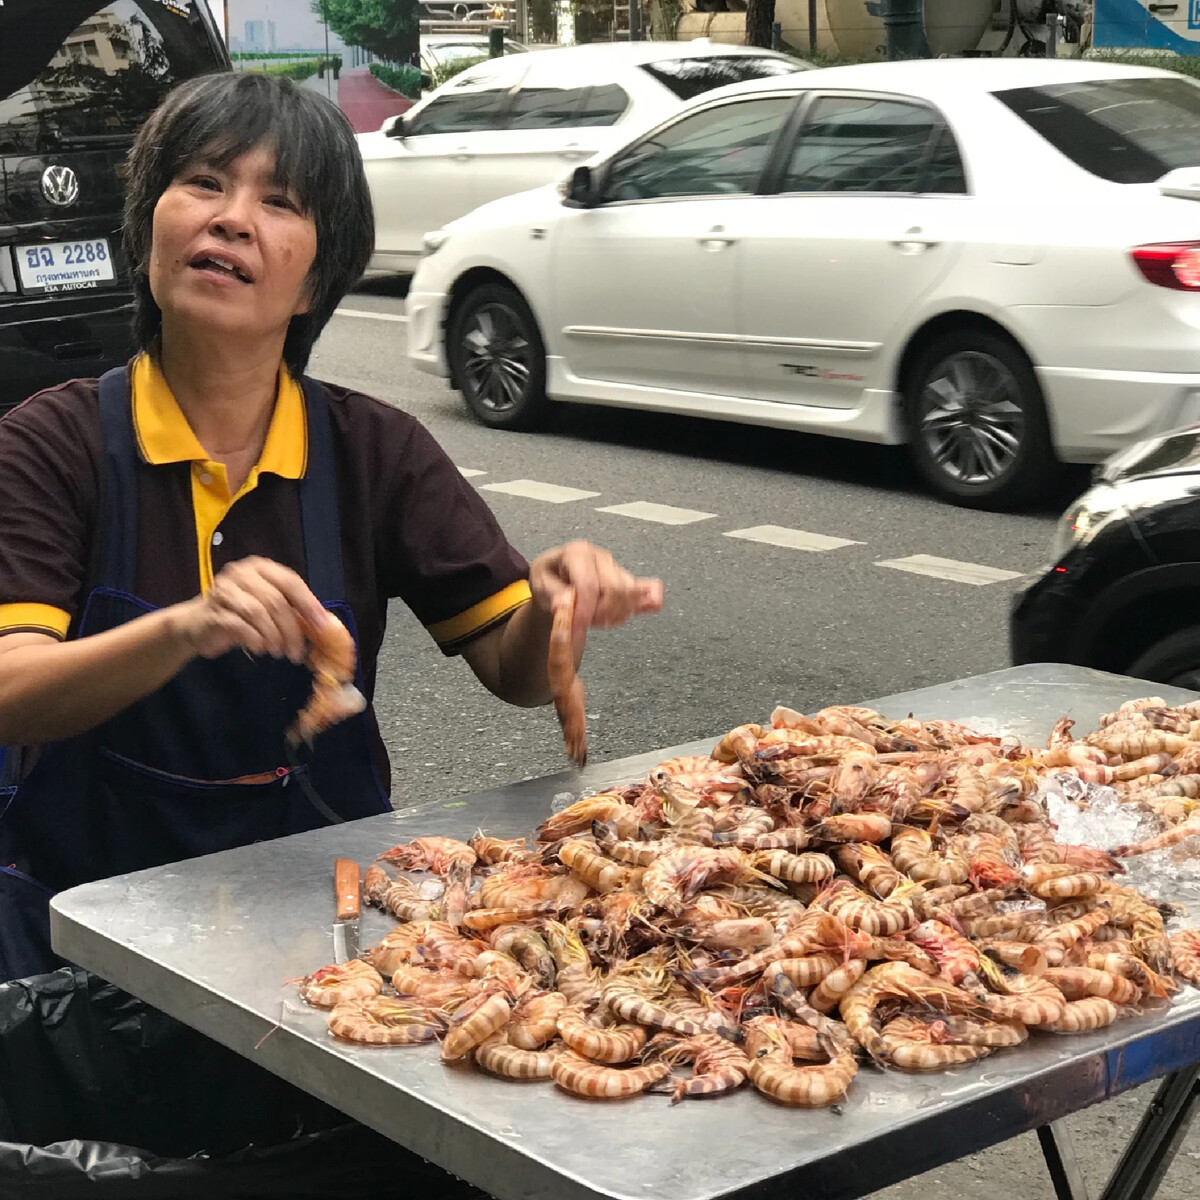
point(218, 118)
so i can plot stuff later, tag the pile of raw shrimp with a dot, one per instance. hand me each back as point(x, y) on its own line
point(820, 893)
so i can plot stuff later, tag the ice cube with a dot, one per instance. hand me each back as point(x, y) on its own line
point(562, 800)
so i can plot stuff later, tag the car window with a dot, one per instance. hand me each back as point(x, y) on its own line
point(688, 77)
point(719, 151)
point(546, 107)
point(88, 74)
point(1123, 130)
point(604, 105)
point(861, 144)
point(472, 102)
point(944, 170)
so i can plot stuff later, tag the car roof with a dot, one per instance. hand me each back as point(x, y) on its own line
point(618, 54)
point(934, 77)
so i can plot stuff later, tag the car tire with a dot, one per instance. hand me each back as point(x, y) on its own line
point(497, 359)
point(977, 427)
point(1173, 660)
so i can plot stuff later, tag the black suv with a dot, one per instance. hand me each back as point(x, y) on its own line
point(77, 78)
point(1123, 590)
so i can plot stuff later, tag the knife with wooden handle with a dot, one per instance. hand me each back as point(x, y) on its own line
point(347, 888)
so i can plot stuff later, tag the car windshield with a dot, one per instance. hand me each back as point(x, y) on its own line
point(1123, 130)
point(688, 77)
point(89, 73)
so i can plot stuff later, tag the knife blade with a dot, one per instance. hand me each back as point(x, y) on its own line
point(347, 889)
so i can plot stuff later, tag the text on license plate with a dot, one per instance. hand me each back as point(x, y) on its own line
point(64, 266)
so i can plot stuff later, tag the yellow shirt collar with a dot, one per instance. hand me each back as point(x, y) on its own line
point(164, 435)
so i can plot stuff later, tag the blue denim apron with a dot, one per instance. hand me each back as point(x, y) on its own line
point(197, 766)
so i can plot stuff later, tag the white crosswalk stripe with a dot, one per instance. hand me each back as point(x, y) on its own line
point(531, 489)
point(664, 514)
point(792, 539)
point(369, 316)
point(950, 568)
point(470, 472)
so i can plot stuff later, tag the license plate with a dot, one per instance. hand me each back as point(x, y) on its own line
point(64, 266)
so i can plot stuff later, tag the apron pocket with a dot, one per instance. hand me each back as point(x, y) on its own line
point(24, 925)
point(150, 816)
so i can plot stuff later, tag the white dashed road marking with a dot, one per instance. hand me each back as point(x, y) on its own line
point(664, 514)
point(949, 568)
point(793, 539)
point(370, 316)
point(470, 472)
point(531, 489)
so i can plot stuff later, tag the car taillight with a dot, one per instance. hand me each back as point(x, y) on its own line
point(1170, 264)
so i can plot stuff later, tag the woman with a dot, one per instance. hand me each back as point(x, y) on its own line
point(170, 531)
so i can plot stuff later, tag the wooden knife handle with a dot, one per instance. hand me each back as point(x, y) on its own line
point(347, 888)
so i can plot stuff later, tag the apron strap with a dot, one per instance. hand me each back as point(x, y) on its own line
point(118, 567)
point(319, 510)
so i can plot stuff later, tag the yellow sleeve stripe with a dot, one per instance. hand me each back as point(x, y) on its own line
point(34, 617)
point(480, 616)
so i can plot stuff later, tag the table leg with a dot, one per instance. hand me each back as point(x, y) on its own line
point(1059, 1152)
point(1157, 1137)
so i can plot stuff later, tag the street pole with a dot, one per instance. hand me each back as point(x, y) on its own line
point(325, 23)
point(903, 29)
point(812, 26)
point(635, 20)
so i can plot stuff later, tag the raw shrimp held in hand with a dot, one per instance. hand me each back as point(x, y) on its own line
point(566, 687)
point(332, 659)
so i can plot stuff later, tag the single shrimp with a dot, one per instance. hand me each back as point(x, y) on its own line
point(593, 869)
point(497, 1056)
point(878, 918)
point(718, 1067)
point(491, 850)
point(828, 994)
point(1029, 999)
point(524, 884)
point(773, 1072)
point(332, 659)
point(1128, 966)
point(566, 688)
point(738, 744)
point(433, 987)
point(1133, 743)
point(577, 818)
point(625, 999)
point(677, 876)
point(631, 853)
point(615, 1044)
point(335, 984)
point(1077, 983)
point(1185, 954)
point(1081, 1016)
point(853, 827)
point(1084, 883)
point(957, 957)
point(384, 1021)
point(435, 854)
point(478, 1018)
point(579, 1075)
point(913, 853)
point(1029, 960)
point(915, 1045)
point(485, 920)
point(534, 1020)
point(1172, 837)
point(872, 868)
point(794, 868)
point(529, 948)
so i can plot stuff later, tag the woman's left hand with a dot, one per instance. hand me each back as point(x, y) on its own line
point(606, 594)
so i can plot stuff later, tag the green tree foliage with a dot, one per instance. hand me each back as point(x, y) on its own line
point(386, 28)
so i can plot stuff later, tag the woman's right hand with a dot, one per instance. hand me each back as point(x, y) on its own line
point(253, 603)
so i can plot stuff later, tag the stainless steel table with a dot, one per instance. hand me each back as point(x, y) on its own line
point(214, 942)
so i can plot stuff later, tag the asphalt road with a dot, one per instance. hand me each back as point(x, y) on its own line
point(745, 626)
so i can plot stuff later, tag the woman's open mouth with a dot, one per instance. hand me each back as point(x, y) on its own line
point(221, 265)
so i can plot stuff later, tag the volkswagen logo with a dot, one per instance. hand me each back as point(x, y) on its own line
point(60, 185)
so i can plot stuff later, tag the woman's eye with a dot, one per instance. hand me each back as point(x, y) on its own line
point(283, 202)
point(205, 181)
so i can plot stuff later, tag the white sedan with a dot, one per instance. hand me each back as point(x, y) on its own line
point(521, 120)
point(995, 261)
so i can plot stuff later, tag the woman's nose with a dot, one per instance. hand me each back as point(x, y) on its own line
point(233, 221)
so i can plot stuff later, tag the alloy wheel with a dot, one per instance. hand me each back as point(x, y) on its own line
point(970, 417)
point(497, 357)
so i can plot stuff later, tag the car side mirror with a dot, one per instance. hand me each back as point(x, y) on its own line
point(426, 81)
point(583, 190)
point(394, 127)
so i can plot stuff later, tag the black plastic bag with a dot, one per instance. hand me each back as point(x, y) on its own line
point(103, 1096)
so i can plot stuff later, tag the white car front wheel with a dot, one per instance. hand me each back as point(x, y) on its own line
point(497, 359)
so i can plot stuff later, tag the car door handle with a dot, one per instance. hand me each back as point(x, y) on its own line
point(716, 239)
point(462, 154)
point(914, 241)
point(574, 150)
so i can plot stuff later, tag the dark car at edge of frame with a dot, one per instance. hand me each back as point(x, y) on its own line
point(77, 79)
point(1122, 591)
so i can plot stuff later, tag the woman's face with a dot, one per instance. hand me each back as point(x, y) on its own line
point(231, 249)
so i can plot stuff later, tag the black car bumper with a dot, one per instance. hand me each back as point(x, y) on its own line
point(40, 352)
point(1041, 618)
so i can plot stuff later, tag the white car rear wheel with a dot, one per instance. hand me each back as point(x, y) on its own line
point(977, 424)
point(497, 359)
